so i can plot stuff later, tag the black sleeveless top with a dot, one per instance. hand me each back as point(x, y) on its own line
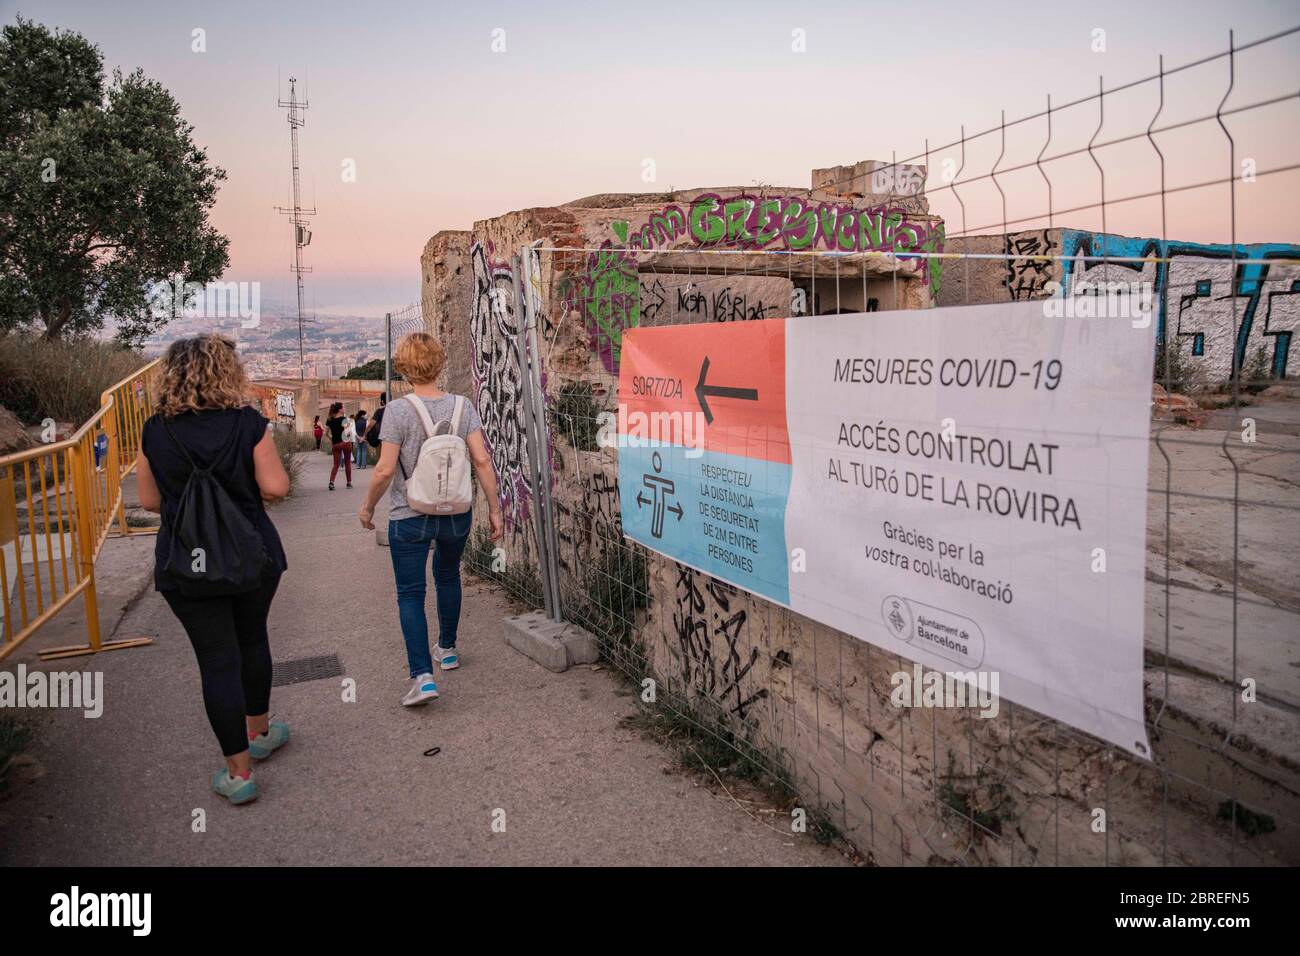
point(230, 434)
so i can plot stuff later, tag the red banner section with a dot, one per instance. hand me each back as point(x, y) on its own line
point(718, 387)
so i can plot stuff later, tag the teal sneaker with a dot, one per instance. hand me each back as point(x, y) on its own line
point(235, 789)
point(448, 659)
point(276, 736)
point(422, 690)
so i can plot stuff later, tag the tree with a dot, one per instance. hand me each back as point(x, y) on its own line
point(371, 371)
point(103, 192)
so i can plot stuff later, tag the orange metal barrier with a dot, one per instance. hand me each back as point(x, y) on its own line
point(57, 507)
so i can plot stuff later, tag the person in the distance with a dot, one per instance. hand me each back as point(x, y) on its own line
point(338, 423)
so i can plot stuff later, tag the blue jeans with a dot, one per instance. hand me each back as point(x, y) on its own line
point(362, 452)
point(409, 541)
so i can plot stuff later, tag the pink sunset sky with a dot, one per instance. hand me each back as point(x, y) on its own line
point(443, 130)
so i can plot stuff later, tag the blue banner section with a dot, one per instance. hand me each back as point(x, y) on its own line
point(721, 514)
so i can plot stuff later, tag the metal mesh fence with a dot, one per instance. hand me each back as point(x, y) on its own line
point(809, 707)
point(799, 703)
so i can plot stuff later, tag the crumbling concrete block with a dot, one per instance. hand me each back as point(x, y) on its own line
point(556, 645)
point(871, 177)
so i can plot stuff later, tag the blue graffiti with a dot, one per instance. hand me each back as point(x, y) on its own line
point(1088, 250)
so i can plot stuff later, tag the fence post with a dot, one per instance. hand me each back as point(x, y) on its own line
point(530, 436)
point(113, 461)
point(529, 280)
point(388, 356)
point(8, 534)
point(535, 441)
point(83, 473)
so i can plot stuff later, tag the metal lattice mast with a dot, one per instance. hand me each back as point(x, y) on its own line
point(297, 214)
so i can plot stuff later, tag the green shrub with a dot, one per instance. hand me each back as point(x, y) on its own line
point(478, 553)
point(520, 578)
point(1171, 369)
point(62, 380)
point(614, 589)
point(573, 415)
point(1258, 373)
point(1247, 820)
point(372, 371)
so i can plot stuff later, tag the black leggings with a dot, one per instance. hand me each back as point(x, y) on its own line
point(229, 638)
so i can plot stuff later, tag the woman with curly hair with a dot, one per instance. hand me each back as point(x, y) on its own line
point(202, 423)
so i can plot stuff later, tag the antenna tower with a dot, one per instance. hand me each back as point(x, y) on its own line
point(297, 214)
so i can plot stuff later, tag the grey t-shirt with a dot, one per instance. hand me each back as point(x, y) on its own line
point(402, 426)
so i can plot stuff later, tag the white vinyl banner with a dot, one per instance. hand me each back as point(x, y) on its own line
point(965, 487)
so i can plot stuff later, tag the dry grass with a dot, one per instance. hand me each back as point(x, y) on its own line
point(291, 445)
point(40, 379)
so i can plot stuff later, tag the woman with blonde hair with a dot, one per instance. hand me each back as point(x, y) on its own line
point(411, 535)
point(203, 438)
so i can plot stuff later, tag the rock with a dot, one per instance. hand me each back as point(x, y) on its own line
point(13, 436)
point(1179, 408)
point(1282, 390)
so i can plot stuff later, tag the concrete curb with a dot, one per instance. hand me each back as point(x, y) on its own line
point(556, 645)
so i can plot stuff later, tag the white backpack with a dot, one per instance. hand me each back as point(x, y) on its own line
point(440, 483)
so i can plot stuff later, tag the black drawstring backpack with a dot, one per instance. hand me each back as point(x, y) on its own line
point(215, 549)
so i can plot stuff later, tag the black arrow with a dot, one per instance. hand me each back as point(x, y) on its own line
point(702, 392)
point(642, 501)
point(675, 509)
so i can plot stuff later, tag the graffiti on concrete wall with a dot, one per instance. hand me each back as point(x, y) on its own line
point(600, 503)
point(608, 295)
point(722, 305)
point(660, 229)
point(498, 378)
point(655, 298)
point(284, 410)
point(713, 650)
point(1222, 312)
point(797, 223)
point(1027, 277)
point(712, 299)
point(585, 529)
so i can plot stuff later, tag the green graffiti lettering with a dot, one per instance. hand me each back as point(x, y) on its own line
point(892, 222)
point(869, 223)
point(707, 225)
point(844, 236)
point(790, 218)
point(827, 216)
point(768, 212)
point(934, 245)
point(737, 212)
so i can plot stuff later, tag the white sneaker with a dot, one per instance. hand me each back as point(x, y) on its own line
point(447, 657)
point(423, 690)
